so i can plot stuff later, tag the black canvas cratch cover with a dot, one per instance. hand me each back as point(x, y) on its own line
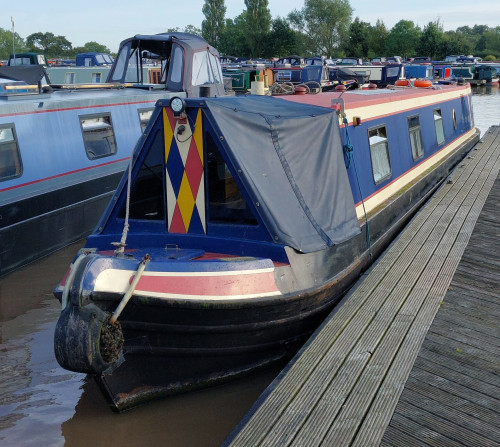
point(292, 164)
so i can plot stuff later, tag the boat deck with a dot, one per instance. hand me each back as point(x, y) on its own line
point(412, 355)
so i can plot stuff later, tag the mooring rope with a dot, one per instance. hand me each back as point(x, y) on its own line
point(349, 158)
point(130, 291)
point(120, 246)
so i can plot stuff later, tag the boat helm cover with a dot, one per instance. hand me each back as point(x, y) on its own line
point(292, 164)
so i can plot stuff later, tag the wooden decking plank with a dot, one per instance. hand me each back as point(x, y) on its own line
point(446, 428)
point(452, 401)
point(464, 335)
point(442, 358)
point(466, 421)
point(457, 355)
point(457, 389)
point(464, 353)
point(293, 403)
point(462, 297)
point(467, 380)
point(414, 430)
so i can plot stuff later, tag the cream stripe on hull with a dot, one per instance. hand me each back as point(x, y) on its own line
point(392, 188)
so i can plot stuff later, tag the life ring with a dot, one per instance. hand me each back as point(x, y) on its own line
point(422, 83)
point(402, 82)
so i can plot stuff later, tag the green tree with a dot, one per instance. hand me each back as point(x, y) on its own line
point(257, 24)
point(358, 43)
point(282, 39)
point(456, 43)
point(6, 43)
point(212, 27)
point(492, 42)
point(326, 22)
point(403, 39)
point(233, 41)
point(378, 38)
point(48, 43)
point(432, 42)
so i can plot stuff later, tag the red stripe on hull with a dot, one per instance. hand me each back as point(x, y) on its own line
point(225, 285)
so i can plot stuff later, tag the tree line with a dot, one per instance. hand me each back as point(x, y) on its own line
point(321, 27)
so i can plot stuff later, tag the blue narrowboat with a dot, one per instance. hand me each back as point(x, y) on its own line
point(240, 224)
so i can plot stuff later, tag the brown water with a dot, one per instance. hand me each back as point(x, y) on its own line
point(43, 405)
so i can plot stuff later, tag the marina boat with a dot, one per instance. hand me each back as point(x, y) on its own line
point(63, 150)
point(240, 224)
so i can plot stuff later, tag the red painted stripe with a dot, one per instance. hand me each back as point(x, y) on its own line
point(226, 285)
point(63, 174)
point(33, 112)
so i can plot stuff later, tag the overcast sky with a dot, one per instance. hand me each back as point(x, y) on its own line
point(109, 23)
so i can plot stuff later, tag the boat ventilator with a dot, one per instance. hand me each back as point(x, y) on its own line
point(349, 158)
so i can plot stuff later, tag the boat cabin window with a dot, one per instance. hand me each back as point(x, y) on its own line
point(379, 153)
point(454, 117)
point(121, 62)
point(146, 193)
point(206, 69)
point(98, 135)
point(226, 202)
point(10, 159)
point(438, 124)
point(69, 78)
point(176, 69)
point(417, 148)
point(96, 78)
point(144, 117)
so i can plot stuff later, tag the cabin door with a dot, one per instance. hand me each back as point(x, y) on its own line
point(185, 178)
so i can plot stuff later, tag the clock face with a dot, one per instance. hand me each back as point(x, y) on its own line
point(177, 104)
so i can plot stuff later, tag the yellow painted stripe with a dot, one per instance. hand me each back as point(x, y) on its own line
point(185, 201)
point(168, 133)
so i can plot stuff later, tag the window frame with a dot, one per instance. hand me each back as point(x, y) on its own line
point(14, 150)
point(441, 125)
point(415, 130)
point(93, 116)
point(371, 146)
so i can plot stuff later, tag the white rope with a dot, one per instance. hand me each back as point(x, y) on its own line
point(130, 291)
point(122, 244)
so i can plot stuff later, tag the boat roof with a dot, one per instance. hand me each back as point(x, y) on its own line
point(195, 42)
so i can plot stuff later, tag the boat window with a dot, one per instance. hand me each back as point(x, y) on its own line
point(438, 124)
point(98, 135)
point(379, 153)
point(69, 78)
point(146, 193)
point(10, 158)
point(96, 78)
point(206, 69)
point(177, 65)
point(121, 63)
point(226, 202)
point(134, 63)
point(454, 117)
point(417, 148)
point(144, 117)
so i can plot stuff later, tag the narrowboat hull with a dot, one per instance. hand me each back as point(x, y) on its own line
point(219, 302)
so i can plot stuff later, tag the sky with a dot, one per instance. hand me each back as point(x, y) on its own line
point(109, 23)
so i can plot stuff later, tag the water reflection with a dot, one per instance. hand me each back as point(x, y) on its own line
point(486, 104)
point(42, 404)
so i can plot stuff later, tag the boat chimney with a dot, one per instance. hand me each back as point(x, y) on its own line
point(205, 91)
